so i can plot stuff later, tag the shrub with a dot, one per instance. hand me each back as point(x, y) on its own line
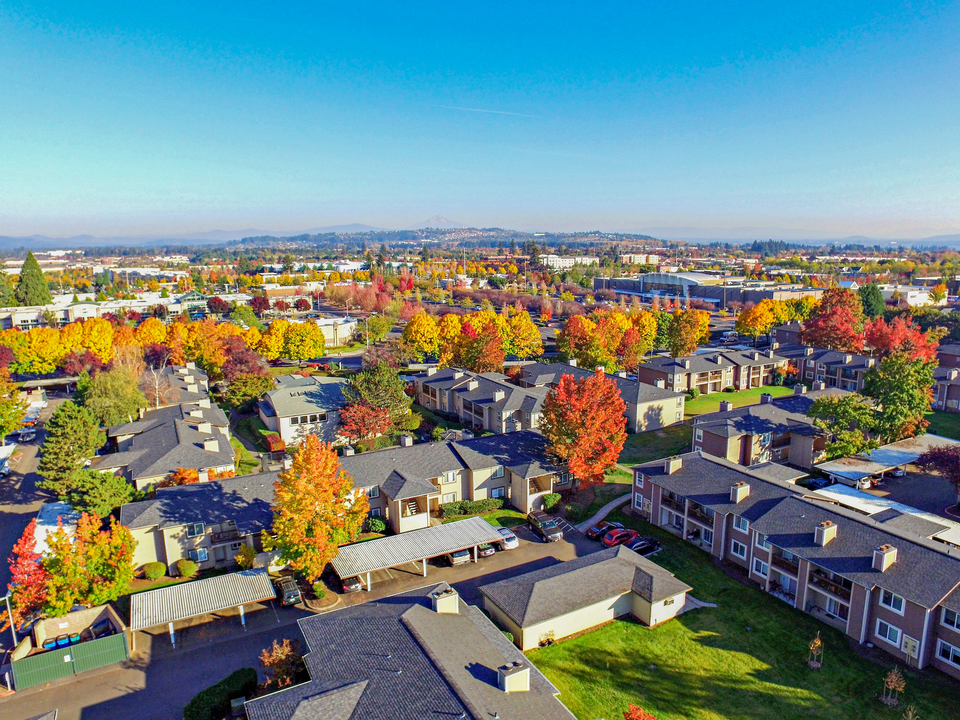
point(376, 525)
point(186, 568)
point(214, 702)
point(154, 570)
point(274, 442)
point(319, 590)
point(729, 388)
point(574, 511)
point(694, 393)
point(508, 635)
point(550, 501)
point(245, 557)
point(451, 509)
point(470, 507)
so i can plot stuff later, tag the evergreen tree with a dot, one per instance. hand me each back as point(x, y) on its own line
point(32, 288)
point(73, 435)
point(381, 387)
point(872, 300)
point(99, 492)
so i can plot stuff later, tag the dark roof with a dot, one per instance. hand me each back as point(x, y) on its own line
point(830, 358)
point(786, 414)
point(632, 391)
point(180, 378)
point(401, 467)
point(306, 396)
point(946, 375)
point(566, 587)
point(191, 412)
point(396, 658)
point(949, 350)
point(523, 453)
point(246, 500)
point(488, 386)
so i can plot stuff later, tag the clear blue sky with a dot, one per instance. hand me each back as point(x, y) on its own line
point(818, 119)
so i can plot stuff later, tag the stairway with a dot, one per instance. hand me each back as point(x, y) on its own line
point(412, 508)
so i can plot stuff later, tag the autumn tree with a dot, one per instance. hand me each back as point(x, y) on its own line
point(246, 389)
point(755, 321)
point(525, 340)
point(900, 335)
point(483, 348)
point(848, 420)
point(28, 578)
point(260, 304)
point(181, 476)
point(901, 389)
point(218, 306)
point(836, 323)
point(635, 712)
point(381, 387)
point(315, 508)
point(12, 406)
point(359, 421)
point(113, 396)
point(938, 293)
point(244, 316)
point(73, 435)
point(420, 335)
point(282, 665)
point(945, 460)
point(584, 423)
point(684, 334)
point(32, 288)
point(304, 341)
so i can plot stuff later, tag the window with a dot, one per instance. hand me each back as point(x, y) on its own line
point(679, 416)
point(948, 653)
point(668, 601)
point(707, 536)
point(449, 498)
point(199, 555)
point(373, 491)
point(741, 524)
point(498, 492)
point(892, 601)
point(314, 418)
point(638, 502)
point(448, 477)
point(498, 472)
point(194, 529)
point(760, 567)
point(950, 619)
point(304, 419)
point(375, 512)
point(294, 421)
point(738, 549)
point(638, 479)
point(562, 479)
point(699, 435)
point(888, 632)
point(680, 401)
point(762, 541)
point(236, 546)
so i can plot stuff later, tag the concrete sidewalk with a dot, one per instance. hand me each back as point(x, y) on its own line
point(604, 511)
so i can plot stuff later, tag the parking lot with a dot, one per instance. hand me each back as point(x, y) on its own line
point(930, 493)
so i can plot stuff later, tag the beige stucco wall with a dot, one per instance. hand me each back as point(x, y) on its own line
point(565, 625)
point(150, 546)
point(483, 482)
point(656, 613)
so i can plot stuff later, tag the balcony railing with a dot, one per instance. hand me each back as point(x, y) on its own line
point(227, 536)
point(700, 517)
point(781, 563)
point(822, 582)
point(672, 503)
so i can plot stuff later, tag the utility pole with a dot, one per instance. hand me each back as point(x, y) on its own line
point(10, 617)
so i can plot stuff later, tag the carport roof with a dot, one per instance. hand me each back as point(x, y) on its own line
point(190, 599)
point(388, 552)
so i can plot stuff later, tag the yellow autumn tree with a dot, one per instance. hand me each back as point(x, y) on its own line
point(252, 337)
point(71, 338)
point(98, 338)
point(177, 342)
point(420, 335)
point(449, 331)
point(204, 346)
point(44, 350)
point(525, 340)
point(304, 341)
point(151, 331)
point(755, 321)
point(273, 341)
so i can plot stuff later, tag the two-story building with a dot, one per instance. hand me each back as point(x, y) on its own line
point(833, 368)
point(949, 355)
point(302, 405)
point(876, 579)
point(946, 389)
point(713, 372)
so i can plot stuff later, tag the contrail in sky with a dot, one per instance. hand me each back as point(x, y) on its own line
point(494, 112)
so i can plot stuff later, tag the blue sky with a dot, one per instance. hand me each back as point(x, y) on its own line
point(718, 119)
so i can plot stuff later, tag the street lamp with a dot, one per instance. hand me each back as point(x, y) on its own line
point(10, 617)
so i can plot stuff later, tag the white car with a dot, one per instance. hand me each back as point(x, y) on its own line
point(898, 472)
point(5, 468)
point(509, 541)
point(27, 434)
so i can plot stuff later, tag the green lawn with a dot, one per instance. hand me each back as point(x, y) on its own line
point(502, 517)
point(945, 424)
point(246, 462)
point(656, 444)
point(745, 658)
point(711, 403)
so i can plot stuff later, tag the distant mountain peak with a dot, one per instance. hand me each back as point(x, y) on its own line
point(437, 221)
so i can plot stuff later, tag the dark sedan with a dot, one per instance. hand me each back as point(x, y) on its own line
point(644, 545)
point(602, 528)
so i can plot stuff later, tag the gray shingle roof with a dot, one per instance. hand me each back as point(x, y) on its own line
point(485, 394)
point(524, 453)
point(786, 414)
point(306, 396)
point(421, 665)
point(830, 358)
point(190, 412)
point(632, 391)
point(563, 588)
point(422, 461)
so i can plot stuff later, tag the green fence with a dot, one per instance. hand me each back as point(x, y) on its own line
point(54, 664)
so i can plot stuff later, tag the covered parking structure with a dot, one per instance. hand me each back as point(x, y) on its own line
point(852, 470)
point(165, 606)
point(415, 546)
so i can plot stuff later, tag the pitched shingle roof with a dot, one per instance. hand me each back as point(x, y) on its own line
point(524, 453)
point(786, 414)
point(306, 396)
point(191, 412)
point(632, 391)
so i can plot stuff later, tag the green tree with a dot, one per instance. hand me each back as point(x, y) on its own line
point(32, 287)
point(872, 300)
point(381, 387)
point(244, 316)
point(245, 389)
point(113, 396)
point(846, 419)
point(99, 493)
point(12, 406)
point(378, 326)
point(8, 297)
point(902, 390)
point(72, 436)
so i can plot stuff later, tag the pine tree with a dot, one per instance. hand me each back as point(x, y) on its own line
point(32, 288)
point(73, 436)
point(99, 493)
point(872, 300)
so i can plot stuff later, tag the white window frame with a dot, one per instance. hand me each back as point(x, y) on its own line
point(733, 549)
point(498, 492)
point(638, 479)
point(638, 502)
point(704, 534)
point(741, 523)
point(192, 531)
point(448, 498)
point(759, 565)
point(699, 435)
point(762, 542)
point(562, 479)
point(373, 491)
point(956, 619)
point(375, 512)
point(498, 472)
point(199, 555)
point(885, 638)
point(893, 601)
point(448, 477)
point(951, 650)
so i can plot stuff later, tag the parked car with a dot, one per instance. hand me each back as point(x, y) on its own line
point(485, 550)
point(288, 593)
point(818, 483)
point(351, 584)
point(5, 468)
point(509, 541)
point(460, 557)
point(27, 434)
point(644, 545)
point(898, 472)
point(619, 537)
point(602, 528)
point(545, 526)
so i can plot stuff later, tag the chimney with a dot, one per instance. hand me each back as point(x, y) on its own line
point(181, 371)
point(572, 362)
point(621, 374)
point(406, 440)
point(661, 383)
point(192, 388)
point(799, 389)
point(189, 379)
point(883, 557)
point(204, 403)
point(513, 677)
point(431, 371)
point(808, 351)
point(204, 427)
point(672, 465)
point(446, 602)
point(458, 374)
point(769, 353)
point(473, 385)
point(824, 532)
point(871, 362)
point(818, 385)
point(766, 398)
point(499, 395)
point(347, 450)
point(196, 413)
point(755, 356)
point(211, 445)
point(686, 364)
point(726, 406)
point(739, 491)
point(466, 435)
point(847, 359)
point(192, 365)
point(954, 374)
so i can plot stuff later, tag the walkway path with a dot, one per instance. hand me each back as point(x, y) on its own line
point(604, 511)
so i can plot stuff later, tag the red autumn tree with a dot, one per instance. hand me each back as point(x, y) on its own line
point(635, 712)
point(631, 350)
point(584, 422)
point(28, 578)
point(302, 304)
point(483, 348)
point(281, 305)
point(944, 459)
point(360, 421)
point(241, 360)
point(282, 664)
point(218, 306)
point(900, 335)
point(181, 476)
point(836, 323)
point(260, 304)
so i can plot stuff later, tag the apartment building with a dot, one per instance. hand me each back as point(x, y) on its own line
point(878, 579)
point(713, 372)
point(946, 389)
point(788, 334)
point(175, 384)
point(486, 401)
point(302, 405)
point(649, 406)
point(833, 368)
point(777, 430)
point(949, 355)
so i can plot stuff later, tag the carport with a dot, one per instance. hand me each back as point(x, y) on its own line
point(165, 606)
point(411, 547)
point(851, 470)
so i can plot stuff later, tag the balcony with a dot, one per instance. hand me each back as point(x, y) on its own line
point(227, 536)
point(781, 563)
point(820, 580)
point(673, 503)
point(699, 516)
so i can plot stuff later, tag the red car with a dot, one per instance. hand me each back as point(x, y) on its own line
point(619, 537)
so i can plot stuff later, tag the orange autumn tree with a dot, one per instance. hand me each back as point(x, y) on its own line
point(315, 508)
point(635, 712)
point(584, 423)
point(181, 476)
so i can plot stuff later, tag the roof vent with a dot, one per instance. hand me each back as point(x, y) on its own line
point(883, 557)
point(406, 440)
point(726, 406)
point(347, 450)
point(572, 362)
point(818, 385)
point(431, 371)
point(499, 395)
point(739, 491)
point(686, 364)
point(514, 677)
point(672, 465)
point(824, 532)
point(473, 385)
point(211, 445)
point(766, 398)
point(445, 602)
point(799, 389)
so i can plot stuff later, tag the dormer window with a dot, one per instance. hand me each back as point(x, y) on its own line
point(498, 471)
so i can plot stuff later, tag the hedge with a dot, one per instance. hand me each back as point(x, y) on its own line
point(214, 702)
point(550, 501)
point(574, 511)
point(375, 525)
point(186, 568)
point(154, 570)
point(470, 507)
